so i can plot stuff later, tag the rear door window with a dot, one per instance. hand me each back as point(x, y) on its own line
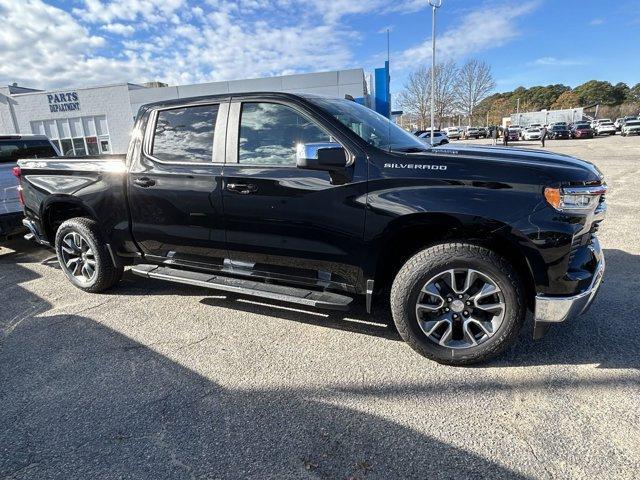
point(185, 135)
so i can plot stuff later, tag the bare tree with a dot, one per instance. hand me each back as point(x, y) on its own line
point(416, 96)
point(474, 84)
point(446, 79)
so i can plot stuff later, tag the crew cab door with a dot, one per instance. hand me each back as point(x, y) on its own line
point(283, 222)
point(174, 185)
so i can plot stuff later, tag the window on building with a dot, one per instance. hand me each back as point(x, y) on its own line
point(185, 134)
point(270, 133)
point(77, 136)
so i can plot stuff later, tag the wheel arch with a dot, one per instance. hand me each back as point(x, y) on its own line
point(410, 234)
point(60, 208)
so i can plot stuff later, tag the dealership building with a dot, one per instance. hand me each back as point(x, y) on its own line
point(97, 120)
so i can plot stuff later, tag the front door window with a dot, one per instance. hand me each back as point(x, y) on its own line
point(270, 133)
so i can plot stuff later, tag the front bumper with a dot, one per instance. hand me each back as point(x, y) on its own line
point(550, 310)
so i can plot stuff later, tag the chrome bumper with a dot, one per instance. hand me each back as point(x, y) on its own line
point(550, 310)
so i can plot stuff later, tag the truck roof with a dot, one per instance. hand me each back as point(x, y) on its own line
point(207, 98)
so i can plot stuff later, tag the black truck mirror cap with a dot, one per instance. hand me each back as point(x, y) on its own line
point(327, 156)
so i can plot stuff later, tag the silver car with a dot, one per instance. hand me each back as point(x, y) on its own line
point(13, 148)
point(439, 138)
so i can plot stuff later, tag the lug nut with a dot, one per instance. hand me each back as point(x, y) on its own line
point(446, 309)
point(465, 313)
point(459, 296)
point(455, 315)
point(449, 299)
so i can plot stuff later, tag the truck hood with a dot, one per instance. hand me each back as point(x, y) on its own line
point(564, 168)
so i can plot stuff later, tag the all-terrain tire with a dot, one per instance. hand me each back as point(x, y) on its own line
point(106, 273)
point(436, 259)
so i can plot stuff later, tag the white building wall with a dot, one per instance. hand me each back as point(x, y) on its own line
point(335, 84)
point(112, 101)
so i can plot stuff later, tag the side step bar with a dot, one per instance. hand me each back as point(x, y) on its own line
point(301, 296)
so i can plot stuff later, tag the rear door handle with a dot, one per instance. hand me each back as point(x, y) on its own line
point(144, 182)
point(242, 188)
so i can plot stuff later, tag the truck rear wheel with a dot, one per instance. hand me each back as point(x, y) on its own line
point(458, 304)
point(84, 257)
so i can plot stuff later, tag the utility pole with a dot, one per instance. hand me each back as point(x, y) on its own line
point(435, 4)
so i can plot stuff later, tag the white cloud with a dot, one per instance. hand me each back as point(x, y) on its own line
point(596, 21)
point(178, 42)
point(119, 29)
point(44, 46)
point(557, 62)
point(480, 29)
point(96, 11)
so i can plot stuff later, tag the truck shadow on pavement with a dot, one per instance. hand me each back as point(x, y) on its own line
point(607, 335)
point(81, 400)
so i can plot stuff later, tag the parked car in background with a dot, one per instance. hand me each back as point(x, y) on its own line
point(582, 130)
point(595, 123)
point(631, 127)
point(619, 123)
point(559, 132)
point(514, 134)
point(12, 149)
point(314, 201)
point(605, 128)
point(453, 132)
point(439, 138)
point(471, 132)
point(516, 128)
point(532, 134)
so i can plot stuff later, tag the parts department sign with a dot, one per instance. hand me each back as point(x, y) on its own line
point(63, 102)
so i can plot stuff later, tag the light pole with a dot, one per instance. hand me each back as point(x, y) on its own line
point(435, 4)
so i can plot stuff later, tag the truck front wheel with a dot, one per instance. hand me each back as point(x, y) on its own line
point(458, 304)
point(84, 257)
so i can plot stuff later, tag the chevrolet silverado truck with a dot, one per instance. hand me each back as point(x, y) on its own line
point(317, 201)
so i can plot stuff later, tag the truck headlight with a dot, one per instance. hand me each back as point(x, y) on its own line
point(574, 199)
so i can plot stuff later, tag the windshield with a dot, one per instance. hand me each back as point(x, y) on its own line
point(372, 127)
point(632, 123)
point(583, 127)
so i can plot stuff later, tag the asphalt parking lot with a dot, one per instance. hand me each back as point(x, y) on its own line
point(156, 380)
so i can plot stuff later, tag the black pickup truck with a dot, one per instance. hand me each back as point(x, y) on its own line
point(315, 201)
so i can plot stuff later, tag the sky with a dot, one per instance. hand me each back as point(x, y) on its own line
point(74, 43)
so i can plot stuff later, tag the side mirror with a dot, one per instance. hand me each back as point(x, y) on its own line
point(329, 157)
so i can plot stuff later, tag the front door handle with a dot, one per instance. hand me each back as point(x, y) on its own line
point(144, 182)
point(242, 188)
